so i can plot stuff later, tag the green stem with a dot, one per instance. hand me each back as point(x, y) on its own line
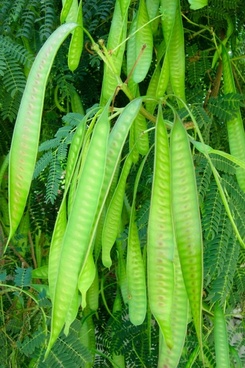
point(3, 167)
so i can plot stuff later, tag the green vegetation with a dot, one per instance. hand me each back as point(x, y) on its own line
point(122, 204)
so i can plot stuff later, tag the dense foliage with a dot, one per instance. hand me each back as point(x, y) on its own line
point(112, 176)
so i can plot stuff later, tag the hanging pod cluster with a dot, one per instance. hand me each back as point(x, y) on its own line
point(173, 257)
point(174, 249)
point(94, 204)
point(72, 268)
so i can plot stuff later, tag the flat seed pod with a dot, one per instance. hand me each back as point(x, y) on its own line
point(25, 141)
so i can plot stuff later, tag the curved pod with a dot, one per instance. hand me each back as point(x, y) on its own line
point(24, 146)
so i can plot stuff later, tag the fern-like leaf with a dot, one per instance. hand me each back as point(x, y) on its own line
point(16, 51)
point(222, 164)
point(68, 351)
point(222, 284)
point(203, 176)
point(49, 145)
point(224, 107)
point(48, 15)
point(201, 116)
point(215, 250)
point(42, 163)
point(53, 180)
point(10, 107)
point(30, 344)
point(13, 80)
point(28, 18)
point(212, 212)
point(72, 119)
point(22, 276)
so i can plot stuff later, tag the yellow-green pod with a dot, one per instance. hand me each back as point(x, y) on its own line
point(121, 272)
point(75, 148)
point(235, 127)
point(160, 236)
point(86, 278)
point(25, 139)
point(186, 218)
point(76, 103)
point(66, 7)
point(143, 46)
point(151, 102)
point(72, 312)
point(117, 35)
point(69, 11)
point(132, 144)
point(175, 53)
point(152, 7)
point(135, 269)
point(76, 243)
point(170, 357)
point(76, 43)
point(93, 293)
point(163, 80)
point(141, 135)
point(112, 219)
point(221, 339)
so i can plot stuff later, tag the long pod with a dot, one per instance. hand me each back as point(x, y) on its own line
point(75, 244)
point(69, 10)
point(93, 293)
point(76, 43)
point(235, 128)
point(152, 7)
point(135, 269)
point(86, 277)
point(140, 45)
point(169, 357)
point(141, 135)
point(116, 36)
point(72, 312)
point(163, 80)
point(76, 103)
point(61, 220)
point(75, 147)
point(186, 218)
point(121, 272)
point(143, 43)
point(55, 247)
point(116, 142)
point(113, 215)
point(169, 9)
point(24, 146)
point(160, 238)
point(176, 55)
point(221, 339)
point(175, 52)
point(151, 103)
